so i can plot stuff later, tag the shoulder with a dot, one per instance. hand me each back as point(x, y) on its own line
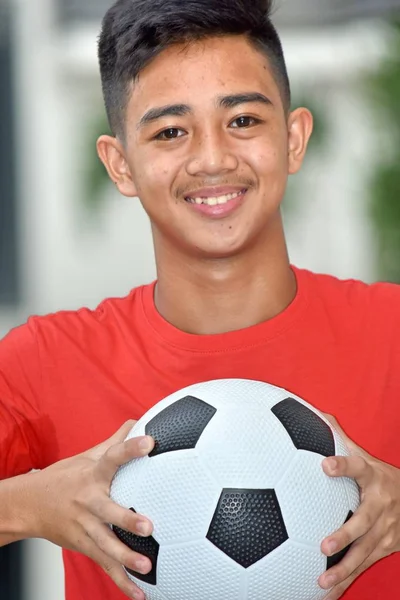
point(354, 309)
point(352, 293)
point(107, 314)
point(83, 326)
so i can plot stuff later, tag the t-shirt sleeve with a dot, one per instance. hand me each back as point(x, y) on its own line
point(21, 421)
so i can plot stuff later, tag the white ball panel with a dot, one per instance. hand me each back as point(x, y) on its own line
point(341, 448)
point(243, 417)
point(123, 485)
point(320, 595)
point(241, 394)
point(223, 392)
point(176, 493)
point(313, 505)
point(290, 572)
point(262, 459)
point(199, 572)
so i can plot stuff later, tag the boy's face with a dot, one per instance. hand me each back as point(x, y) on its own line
point(225, 132)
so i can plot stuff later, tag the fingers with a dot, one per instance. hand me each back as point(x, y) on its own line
point(358, 554)
point(122, 432)
point(356, 467)
point(108, 511)
point(117, 438)
point(104, 512)
point(119, 454)
point(115, 571)
point(110, 545)
point(338, 590)
point(363, 521)
point(121, 579)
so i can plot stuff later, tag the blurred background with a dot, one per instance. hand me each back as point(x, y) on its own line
point(67, 239)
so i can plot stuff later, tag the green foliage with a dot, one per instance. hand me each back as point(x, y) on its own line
point(321, 126)
point(385, 213)
point(383, 91)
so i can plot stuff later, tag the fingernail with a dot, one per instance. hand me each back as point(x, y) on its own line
point(143, 528)
point(330, 580)
point(141, 566)
point(332, 547)
point(333, 465)
point(145, 443)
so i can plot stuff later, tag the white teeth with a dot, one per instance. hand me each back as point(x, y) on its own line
point(215, 200)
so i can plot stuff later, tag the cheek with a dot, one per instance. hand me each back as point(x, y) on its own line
point(271, 167)
point(270, 164)
point(152, 175)
point(268, 156)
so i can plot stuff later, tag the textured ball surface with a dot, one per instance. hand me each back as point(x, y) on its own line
point(237, 495)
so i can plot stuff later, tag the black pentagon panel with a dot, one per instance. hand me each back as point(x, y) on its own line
point(180, 425)
point(336, 558)
point(247, 525)
point(147, 546)
point(306, 429)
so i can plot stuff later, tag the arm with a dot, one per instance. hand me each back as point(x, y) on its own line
point(374, 529)
point(15, 494)
point(68, 504)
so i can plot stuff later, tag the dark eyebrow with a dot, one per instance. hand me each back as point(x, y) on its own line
point(235, 100)
point(181, 110)
point(171, 110)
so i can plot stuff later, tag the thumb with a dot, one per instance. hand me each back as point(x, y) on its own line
point(120, 435)
point(117, 438)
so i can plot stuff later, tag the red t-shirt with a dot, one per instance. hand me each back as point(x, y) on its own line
point(69, 380)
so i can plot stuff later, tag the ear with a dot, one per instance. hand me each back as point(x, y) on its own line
point(112, 154)
point(300, 126)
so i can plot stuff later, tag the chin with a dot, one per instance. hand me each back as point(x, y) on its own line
point(220, 252)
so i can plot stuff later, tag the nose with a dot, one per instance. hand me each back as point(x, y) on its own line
point(210, 154)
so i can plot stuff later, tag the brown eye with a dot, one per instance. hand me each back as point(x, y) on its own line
point(171, 133)
point(244, 122)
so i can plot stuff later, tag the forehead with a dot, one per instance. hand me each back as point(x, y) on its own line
point(202, 70)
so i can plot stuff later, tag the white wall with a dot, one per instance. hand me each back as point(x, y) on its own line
point(331, 232)
point(70, 260)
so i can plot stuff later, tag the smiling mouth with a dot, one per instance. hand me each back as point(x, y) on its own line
point(215, 200)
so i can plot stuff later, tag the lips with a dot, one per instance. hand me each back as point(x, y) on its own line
point(214, 200)
point(217, 207)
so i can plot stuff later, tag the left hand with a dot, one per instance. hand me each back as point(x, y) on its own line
point(374, 529)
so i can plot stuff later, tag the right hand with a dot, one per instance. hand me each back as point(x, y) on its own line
point(72, 507)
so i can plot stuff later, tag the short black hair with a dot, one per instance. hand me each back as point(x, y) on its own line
point(136, 31)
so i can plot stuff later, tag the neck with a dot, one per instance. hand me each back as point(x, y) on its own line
point(212, 296)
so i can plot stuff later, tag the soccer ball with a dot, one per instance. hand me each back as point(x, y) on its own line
point(236, 492)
